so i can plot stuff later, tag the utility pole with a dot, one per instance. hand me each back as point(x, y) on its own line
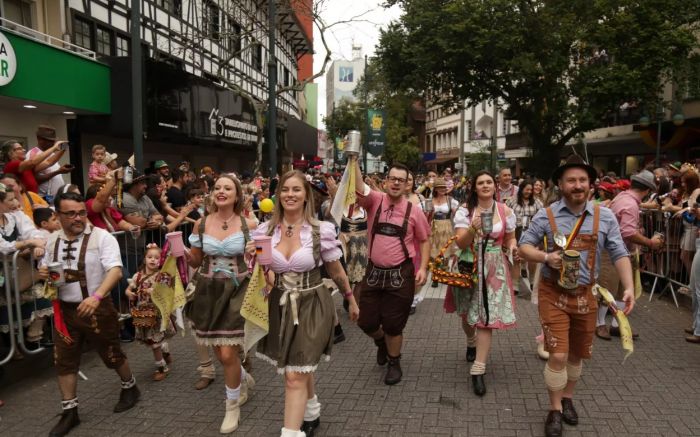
point(272, 87)
point(366, 105)
point(136, 82)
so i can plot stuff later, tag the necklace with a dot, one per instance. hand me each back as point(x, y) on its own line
point(290, 228)
point(225, 225)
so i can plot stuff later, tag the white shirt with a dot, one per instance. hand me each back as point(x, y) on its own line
point(464, 220)
point(25, 231)
point(102, 255)
point(444, 208)
point(50, 187)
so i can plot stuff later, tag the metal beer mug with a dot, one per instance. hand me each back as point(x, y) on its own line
point(570, 269)
point(428, 205)
point(354, 143)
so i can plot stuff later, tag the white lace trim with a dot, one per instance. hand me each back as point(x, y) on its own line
point(219, 341)
point(26, 322)
point(297, 369)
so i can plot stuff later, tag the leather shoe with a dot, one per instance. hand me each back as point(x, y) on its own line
point(552, 426)
point(693, 339)
point(471, 354)
point(690, 330)
point(412, 311)
point(127, 399)
point(69, 420)
point(478, 385)
point(382, 351)
point(615, 332)
point(203, 383)
point(393, 372)
point(568, 412)
point(308, 427)
point(603, 332)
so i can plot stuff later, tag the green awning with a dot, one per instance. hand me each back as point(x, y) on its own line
point(48, 74)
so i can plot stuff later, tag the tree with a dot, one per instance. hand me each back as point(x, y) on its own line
point(559, 66)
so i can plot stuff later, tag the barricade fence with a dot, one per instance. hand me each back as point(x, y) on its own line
point(671, 266)
point(24, 313)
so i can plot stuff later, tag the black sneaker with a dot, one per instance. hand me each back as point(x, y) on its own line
point(69, 420)
point(127, 399)
point(308, 427)
point(393, 372)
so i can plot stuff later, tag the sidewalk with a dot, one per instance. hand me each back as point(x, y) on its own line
point(656, 392)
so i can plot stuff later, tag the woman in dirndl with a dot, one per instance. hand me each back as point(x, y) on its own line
point(302, 313)
point(492, 305)
point(443, 209)
point(353, 238)
point(218, 243)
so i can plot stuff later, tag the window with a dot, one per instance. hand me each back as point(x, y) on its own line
point(256, 56)
point(345, 74)
point(234, 36)
point(122, 46)
point(210, 20)
point(104, 42)
point(82, 33)
point(286, 77)
point(19, 11)
point(172, 6)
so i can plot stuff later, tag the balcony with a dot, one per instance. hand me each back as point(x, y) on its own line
point(430, 126)
point(18, 29)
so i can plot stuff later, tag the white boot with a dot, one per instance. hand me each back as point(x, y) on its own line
point(247, 384)
point(290, 433)
point(233, 414)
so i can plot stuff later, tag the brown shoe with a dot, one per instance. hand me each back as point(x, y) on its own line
point(693, 339)
point(603, 332)
point(203, 383)
point(690, 330)
point(161, 373)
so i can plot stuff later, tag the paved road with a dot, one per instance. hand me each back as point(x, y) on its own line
point(656, 392)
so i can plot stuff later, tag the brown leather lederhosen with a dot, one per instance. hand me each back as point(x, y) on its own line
point(101, 329)
point(568, 316)
point(387, 293)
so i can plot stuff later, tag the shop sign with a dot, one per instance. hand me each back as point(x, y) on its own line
point(376, 130)
point(8, 61)
point(229, 128)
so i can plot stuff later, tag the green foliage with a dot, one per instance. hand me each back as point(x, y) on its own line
point(481, 160)
point(542, 58)
point(345, 117)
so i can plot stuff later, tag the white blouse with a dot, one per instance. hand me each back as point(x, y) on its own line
point(463, 220)
point(25, 231)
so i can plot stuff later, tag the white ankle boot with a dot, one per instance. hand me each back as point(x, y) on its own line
point(233, 414)
point(247, 384)
point(290, 433)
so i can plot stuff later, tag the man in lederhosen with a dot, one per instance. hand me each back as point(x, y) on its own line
point(92, 266)
point(386, 291)
point(568, 316)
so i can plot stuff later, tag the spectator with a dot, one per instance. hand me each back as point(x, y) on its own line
point(48, 174)
point(100, 206)
point(97, 174)
point(206, 171)
point(137, 208)
point(175, 194)
point(14, 155)
point(28, 200)
point(161, 167)
point(46, 221)
point(195, 197)
point(111, 161)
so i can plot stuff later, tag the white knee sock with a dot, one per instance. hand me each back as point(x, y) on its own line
point(233, 394)
point(602, 312)
point(313, 409)
point(477, 368)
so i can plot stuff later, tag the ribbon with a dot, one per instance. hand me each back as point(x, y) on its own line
point(345, 196)
point(254, 308)
point(168, 292)
point(575, 231)
point(59, 323)
point(625, 328)
point(637, 275)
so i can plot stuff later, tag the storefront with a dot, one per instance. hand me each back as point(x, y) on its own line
point(47, 81)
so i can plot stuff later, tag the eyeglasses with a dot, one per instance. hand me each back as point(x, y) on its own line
point(395, 180)
point(74, 214)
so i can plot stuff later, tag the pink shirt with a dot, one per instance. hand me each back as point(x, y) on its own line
point(97, 170)
point(388, 252)
point(625, 206)
point(303, 259)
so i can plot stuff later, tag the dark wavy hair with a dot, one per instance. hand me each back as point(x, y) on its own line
point(473, 198)
point(521, 188)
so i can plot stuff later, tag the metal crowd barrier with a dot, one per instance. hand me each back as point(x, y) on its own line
point(132, 248)
point(673, 263)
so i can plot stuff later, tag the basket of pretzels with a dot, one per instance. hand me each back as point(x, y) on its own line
point(463, 275)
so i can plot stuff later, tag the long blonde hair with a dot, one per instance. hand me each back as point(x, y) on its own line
point(309, 209)
point(238, 204)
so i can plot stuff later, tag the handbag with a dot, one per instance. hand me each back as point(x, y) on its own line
point(144, 315)
point(465, 275)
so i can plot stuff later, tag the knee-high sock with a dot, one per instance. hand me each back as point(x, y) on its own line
point(313, 409)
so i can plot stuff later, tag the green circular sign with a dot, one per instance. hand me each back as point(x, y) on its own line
point(8, 61)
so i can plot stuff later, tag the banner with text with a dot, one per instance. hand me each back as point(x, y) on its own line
point(376, 140)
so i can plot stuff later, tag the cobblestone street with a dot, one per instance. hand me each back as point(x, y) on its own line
point(656, 392)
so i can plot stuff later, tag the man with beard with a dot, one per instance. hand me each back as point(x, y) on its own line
point(91, 264)
point(506, 190)
point(568, 316)
point(386, 291)
point(161, 167)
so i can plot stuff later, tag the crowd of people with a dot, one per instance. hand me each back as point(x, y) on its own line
point(511, 237)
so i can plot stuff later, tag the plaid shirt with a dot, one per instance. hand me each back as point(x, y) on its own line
point(520, 211)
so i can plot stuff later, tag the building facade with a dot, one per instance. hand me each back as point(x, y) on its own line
point(342, 79)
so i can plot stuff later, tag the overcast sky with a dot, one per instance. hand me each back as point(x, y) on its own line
point(341, 37)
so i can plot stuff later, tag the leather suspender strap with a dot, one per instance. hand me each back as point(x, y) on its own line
point(593, 251)
point(316, 238)
point(55, 250)
point(404, 230)
point(81, 265)
point(374, 227)
point(242, 267)
point(205, 261)
point(552, 222)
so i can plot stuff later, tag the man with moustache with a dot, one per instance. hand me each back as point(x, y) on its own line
point(568, 316)
point(91, 266)
point(386, 291)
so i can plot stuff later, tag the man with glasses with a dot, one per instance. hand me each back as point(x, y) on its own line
point(92, 266)
point(386, 291)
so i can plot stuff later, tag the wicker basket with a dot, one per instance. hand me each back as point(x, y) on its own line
point(440, 273)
